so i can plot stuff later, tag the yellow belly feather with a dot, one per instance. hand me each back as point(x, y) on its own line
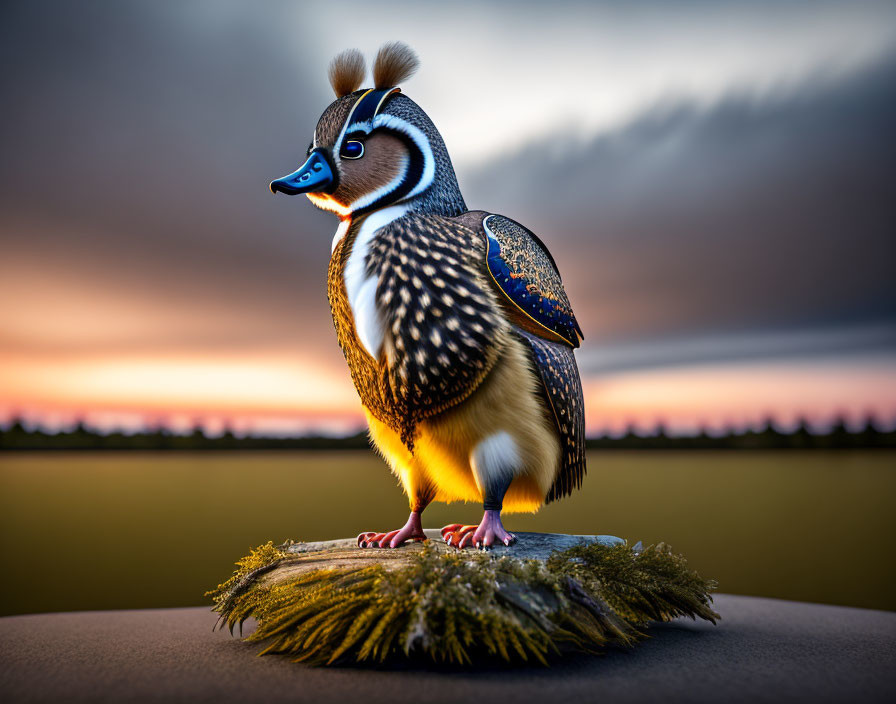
point(507, 400)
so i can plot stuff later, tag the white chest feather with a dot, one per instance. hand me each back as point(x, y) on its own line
point(361, 288)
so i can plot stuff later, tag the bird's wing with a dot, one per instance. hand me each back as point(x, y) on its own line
point(527, 276)
point(562, 387)
point(524, 271)
point(443, 325)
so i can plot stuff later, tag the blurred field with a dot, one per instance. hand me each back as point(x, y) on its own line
point(131, 530)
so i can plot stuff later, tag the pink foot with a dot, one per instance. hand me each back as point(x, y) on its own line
point(413, 530)
point(487, 533)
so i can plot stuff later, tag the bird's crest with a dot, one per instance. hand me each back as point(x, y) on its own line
point(395, 62)
point(346, 72)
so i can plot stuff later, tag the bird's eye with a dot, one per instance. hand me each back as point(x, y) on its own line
point(352, 150)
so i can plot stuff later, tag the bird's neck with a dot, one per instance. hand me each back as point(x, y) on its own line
point(443, 198)
point(364, 225)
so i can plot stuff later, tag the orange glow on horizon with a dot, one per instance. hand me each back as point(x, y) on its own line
point(280, 392)
point(739, 396)
point(244, 390)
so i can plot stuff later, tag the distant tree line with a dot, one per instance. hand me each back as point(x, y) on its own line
point(839, 437)
point(18, 437)
point(81, 437)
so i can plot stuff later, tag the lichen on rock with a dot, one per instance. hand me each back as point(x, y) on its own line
point(349, 606)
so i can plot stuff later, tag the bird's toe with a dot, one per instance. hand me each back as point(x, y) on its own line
point(459, 536)
point(379, 540)
point(370, 539)
point(466, 540)
point(451, 528)
point(364, 539)
point(389, 540)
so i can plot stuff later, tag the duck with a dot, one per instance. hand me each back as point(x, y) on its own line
point(454, 323)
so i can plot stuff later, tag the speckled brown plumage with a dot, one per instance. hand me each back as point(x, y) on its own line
point(444, 330)
point(333, 118)
point(368, 375)
point(556, 364)
point(443, 325)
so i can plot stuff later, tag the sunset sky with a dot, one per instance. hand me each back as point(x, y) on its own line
point(714, 179)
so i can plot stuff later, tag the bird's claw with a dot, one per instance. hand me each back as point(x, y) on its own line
point(392, 539)
point(489, 532)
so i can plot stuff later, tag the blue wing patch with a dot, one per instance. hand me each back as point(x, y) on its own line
point(525, 271)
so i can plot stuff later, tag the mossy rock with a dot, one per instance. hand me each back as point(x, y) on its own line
point(331, 602)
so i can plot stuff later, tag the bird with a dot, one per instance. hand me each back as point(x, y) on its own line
point(454, 323)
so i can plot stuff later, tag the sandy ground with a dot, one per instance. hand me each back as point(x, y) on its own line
point(763, 651)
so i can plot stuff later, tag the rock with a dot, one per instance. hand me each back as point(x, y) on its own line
point(332, 602)
point(528, 545)
point(345, 553)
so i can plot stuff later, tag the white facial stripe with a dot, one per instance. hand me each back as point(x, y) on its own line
point(406, 128)
point(363, 127)
point(348, 121)
point(429, 162)
point(358, 285)
point(374, 196)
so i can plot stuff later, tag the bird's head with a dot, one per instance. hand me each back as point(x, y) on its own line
point(375, 147)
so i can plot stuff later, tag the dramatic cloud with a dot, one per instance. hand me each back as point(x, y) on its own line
point(138, 142)
point(751, 216)
point(714, 180)
point(499, 74)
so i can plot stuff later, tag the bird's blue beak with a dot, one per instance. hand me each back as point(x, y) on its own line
point(316, 175)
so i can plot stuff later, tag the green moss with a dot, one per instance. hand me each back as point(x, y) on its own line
point(454, 607)
point(652, 585)
point(262, 559)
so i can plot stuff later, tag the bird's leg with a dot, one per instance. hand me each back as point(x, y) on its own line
point(412, 530)
point(490, 529)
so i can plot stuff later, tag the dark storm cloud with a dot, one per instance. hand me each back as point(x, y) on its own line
point(754, 215)
point(862, 344)
point(138, 141)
